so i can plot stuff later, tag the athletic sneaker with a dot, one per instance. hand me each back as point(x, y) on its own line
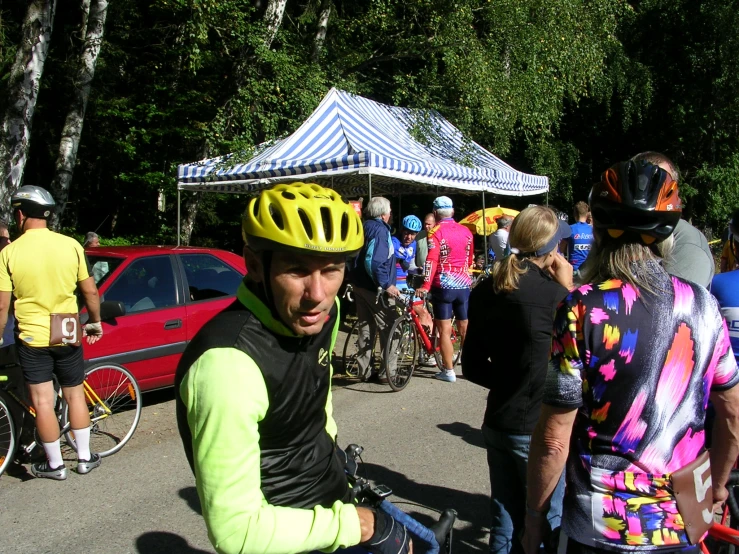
point(86, 466)
point(429, 361)
point(448, 375)
point(42, 469)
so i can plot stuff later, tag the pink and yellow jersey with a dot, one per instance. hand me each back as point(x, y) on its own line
point(451, 255)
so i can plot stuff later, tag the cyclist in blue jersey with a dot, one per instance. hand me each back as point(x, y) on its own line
point(725, 287)
point(581, 239)
point(405, 250)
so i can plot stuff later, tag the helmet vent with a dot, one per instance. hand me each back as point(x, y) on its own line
point(288, 195)
point(344, 226)
point(277, 217)
point(327, 227)
point(306, 223)
point(255, 211)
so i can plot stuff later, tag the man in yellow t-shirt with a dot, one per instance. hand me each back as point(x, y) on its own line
point(43, 269)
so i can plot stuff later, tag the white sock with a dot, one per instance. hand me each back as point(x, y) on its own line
point(450, 372)
point(82, 438)
point(53, 453)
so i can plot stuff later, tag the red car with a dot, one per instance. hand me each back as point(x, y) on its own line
point(155, 299)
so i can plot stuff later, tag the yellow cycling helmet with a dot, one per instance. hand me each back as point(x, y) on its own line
point(302, 217)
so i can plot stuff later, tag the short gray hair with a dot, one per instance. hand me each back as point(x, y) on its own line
point(443, 213)
point(378, 206)
point(504, 222)
point(89, 237)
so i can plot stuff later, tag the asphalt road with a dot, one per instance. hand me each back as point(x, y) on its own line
point(423, 442)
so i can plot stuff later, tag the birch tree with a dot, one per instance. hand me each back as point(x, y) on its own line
point(273, 19)
point(72, 130)
point(323, 16)
point(23, 90)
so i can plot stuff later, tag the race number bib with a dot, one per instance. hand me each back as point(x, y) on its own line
point(65, 329)
point(694, 495)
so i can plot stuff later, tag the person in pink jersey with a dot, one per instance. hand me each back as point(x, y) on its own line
point(447, 277)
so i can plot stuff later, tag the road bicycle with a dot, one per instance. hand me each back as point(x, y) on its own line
point(436, 539)
point(113, 397)
point(409, 340)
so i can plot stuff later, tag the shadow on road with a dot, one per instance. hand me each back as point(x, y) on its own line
point(190, 495)
point(156, 542)
point(471, 508)
point(470, 435)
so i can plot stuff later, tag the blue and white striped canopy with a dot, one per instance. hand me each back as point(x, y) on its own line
point(352, 143)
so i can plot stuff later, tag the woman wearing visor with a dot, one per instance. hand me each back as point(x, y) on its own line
point(511, 314)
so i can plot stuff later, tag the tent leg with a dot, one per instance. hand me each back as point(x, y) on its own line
point(484, 228)
point(179, 233)
point(369, 177)
point(547, 198)
point(400, 204)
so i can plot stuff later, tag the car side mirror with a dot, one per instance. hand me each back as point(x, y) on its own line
point(111, 309)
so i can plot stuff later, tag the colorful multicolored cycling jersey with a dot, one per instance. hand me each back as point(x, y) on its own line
point(405, 258)
point(451, 255)
point(639, 366)
point(725, 287)
point(579, 243)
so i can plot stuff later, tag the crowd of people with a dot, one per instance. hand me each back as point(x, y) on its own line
point(599, 380)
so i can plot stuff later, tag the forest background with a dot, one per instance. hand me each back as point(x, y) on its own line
point(129, 89)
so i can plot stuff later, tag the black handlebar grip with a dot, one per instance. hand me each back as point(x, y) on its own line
point(443, 528)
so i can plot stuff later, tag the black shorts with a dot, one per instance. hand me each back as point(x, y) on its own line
point(41, 364)
point(448, 301)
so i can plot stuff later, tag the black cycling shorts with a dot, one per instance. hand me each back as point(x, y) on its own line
point(41, 364)
point(448, 301)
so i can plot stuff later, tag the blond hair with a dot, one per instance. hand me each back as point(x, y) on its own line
point(530, 231)
point(628, 260)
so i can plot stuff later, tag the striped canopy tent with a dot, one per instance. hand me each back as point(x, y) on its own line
point(361, 147)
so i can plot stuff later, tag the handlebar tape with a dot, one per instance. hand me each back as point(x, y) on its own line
point(415, 528)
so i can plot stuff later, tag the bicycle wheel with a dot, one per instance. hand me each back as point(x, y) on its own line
point(114, 398)
point(400, 354)
point(456, 344)
point(8, 435)
point(349, 356)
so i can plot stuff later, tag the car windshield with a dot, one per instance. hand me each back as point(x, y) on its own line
point(101, 267)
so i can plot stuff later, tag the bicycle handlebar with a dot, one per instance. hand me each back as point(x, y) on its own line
point(434, 537)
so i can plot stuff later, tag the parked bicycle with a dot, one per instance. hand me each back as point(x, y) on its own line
point(436, 539)
point(113, 397)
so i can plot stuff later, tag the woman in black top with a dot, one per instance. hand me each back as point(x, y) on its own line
point(506, 350)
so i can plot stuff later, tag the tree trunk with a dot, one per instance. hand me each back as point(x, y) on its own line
point(23, 90)
point(191, 213)
point(325, 13)
point(273, 19)
point(76, 116)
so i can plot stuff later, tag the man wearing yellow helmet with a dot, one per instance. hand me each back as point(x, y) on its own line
point(253, 388)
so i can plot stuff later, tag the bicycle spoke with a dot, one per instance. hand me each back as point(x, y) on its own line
point(114, 399)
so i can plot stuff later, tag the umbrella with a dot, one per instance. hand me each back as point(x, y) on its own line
point(474, 221)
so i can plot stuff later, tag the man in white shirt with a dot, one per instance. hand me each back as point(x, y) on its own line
point(500, 237)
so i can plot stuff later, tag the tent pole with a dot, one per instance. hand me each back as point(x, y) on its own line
point(547, 198)
point(400, 204)
point(369, 177)
point(179, 233)
point(484, 227)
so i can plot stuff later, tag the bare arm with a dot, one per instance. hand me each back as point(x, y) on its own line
point(550, 445)
point(4, 309)
point(92, 300)
point(725, 448)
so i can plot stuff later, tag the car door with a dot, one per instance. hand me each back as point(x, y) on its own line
point(211, 284)
point(151, 337)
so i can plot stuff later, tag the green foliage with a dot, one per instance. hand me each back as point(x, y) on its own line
point(563, 88)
